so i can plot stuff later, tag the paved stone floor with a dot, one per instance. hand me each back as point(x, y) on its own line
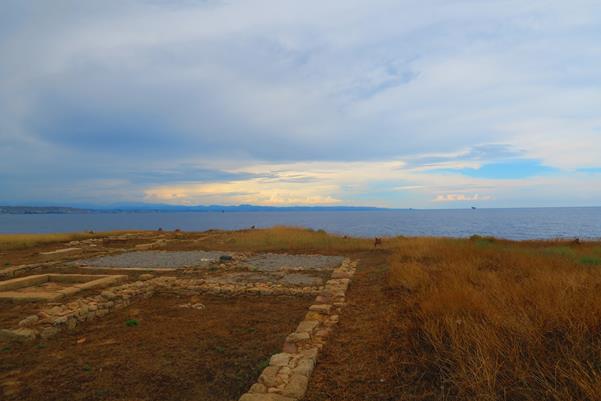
point(155, 259)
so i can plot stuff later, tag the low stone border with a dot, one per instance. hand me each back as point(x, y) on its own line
point(51, 320)
point(15, 290)
point(20, 270)
point(287, 376)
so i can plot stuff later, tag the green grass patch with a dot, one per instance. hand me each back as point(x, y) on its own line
point(563, 251)
point(590, 260)
point(132, 323)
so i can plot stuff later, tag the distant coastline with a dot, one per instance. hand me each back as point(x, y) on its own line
point(175, 209)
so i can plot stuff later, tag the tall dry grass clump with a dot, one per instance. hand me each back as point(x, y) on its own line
point(286, 239)
point(495, 320)
point(23, 241)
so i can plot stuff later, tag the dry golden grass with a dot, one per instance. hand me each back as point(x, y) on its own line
point(285, 239)
point(496, 320)
point(23, 241)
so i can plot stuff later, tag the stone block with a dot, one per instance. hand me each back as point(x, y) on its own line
point(29, 321)
point(296, 387)
point(21, 334)
point(341, 274)
point(269, 377)
point(310, 353)
point(48, 332)
point(305, 366)
point(298, 337)
point(312, 315)
point(307, 326)
point(321, 308)
point(281, 359)
point(257, 388)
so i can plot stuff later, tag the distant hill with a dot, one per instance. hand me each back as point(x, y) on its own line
point(159, 208)
point(41, 210)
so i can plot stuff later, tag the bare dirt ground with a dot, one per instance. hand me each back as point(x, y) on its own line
point(173, 353)
point(358, 361)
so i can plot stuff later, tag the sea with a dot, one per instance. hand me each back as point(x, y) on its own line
point(518, 223)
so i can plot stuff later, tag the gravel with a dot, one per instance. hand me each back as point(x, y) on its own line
point(268, 262)
point(156, 259)
point(273, 262)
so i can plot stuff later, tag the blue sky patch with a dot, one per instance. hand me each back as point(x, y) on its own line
point(513, 169)
point(590, 170)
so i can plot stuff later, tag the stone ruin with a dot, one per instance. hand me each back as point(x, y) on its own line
point(286, 377)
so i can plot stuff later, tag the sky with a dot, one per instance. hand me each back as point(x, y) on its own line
point(423, 104)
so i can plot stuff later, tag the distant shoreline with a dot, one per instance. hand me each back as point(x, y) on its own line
point(181, 209)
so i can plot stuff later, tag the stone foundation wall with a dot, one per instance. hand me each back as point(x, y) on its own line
point(53, 319)
point(287, 376)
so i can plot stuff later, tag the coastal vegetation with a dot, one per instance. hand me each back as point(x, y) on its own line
point(494, 320)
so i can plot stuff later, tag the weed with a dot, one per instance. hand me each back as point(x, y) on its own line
point(132, 323)
point(220, 349)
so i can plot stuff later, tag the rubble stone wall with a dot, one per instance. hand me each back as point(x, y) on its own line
point(287, 376)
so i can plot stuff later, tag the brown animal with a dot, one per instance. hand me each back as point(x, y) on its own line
point(377, 241)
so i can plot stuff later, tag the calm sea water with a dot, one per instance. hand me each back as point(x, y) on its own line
point(503, 223)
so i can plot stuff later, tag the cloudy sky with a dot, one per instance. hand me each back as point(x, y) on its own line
point(424, 104)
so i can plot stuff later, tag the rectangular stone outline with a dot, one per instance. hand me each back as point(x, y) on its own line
point(83, 282)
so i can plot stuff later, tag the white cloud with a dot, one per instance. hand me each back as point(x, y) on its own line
point(461, 198)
